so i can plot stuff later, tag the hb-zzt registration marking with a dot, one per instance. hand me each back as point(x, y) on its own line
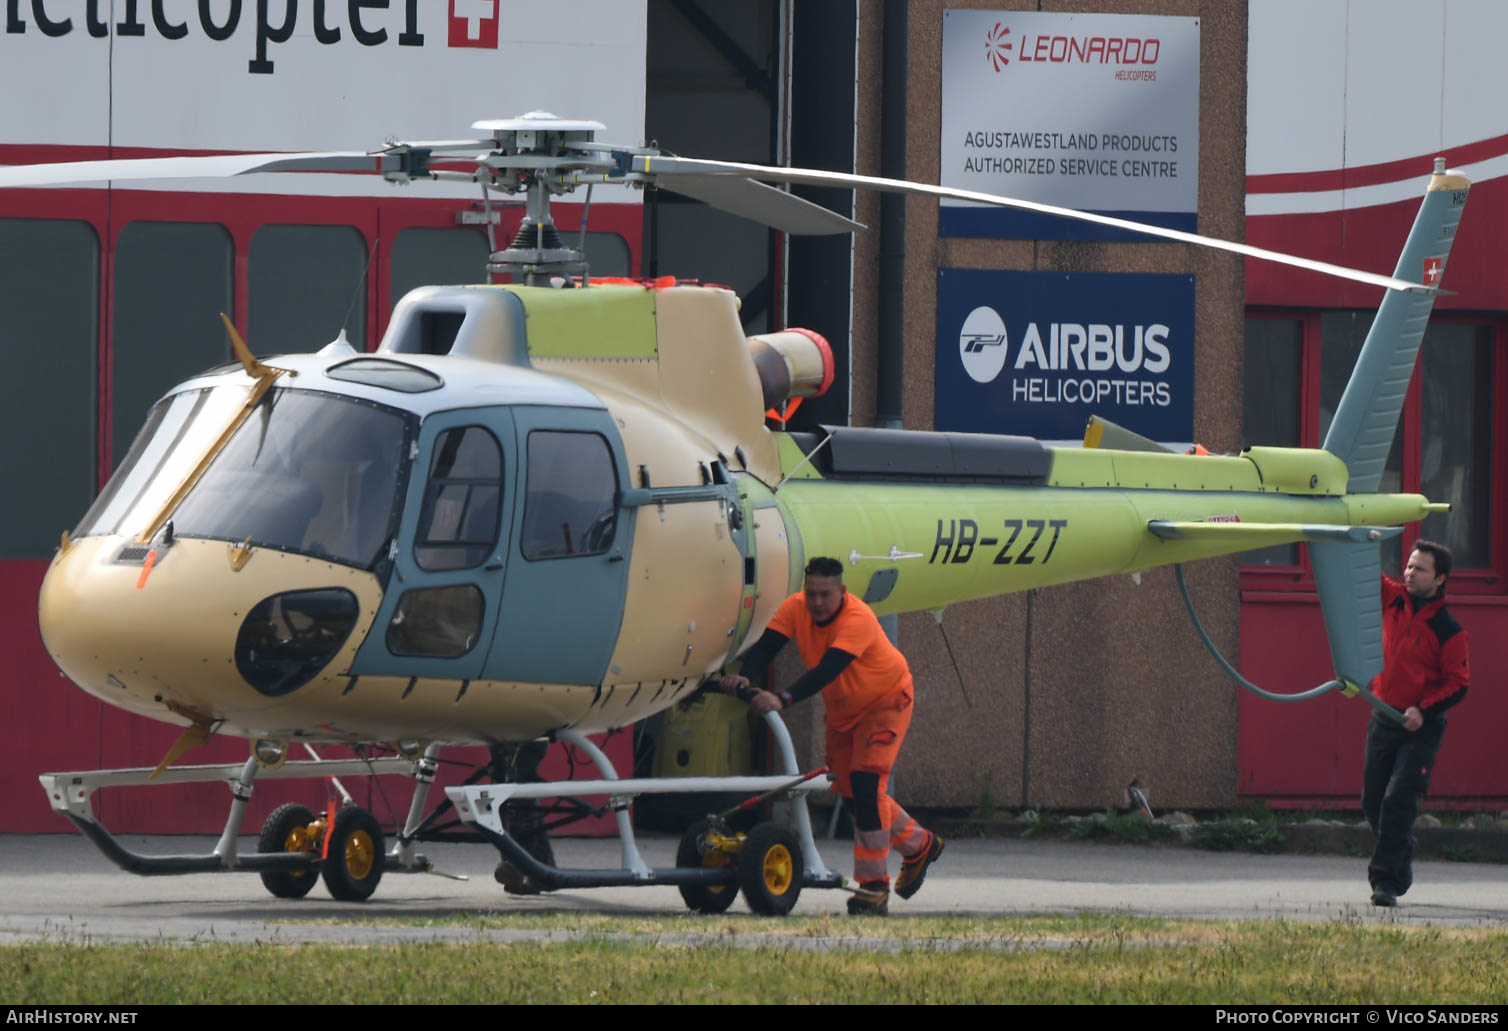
point(958, 540)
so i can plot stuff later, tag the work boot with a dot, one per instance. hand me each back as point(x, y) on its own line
point(1383, 897)
point(872, 899)
point(913, 871)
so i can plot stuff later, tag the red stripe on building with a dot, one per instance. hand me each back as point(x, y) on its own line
point(1351, 178)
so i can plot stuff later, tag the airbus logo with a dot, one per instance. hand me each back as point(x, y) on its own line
point(982, 345)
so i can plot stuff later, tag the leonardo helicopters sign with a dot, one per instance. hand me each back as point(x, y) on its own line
point(1092, 111)
point(1037, 353)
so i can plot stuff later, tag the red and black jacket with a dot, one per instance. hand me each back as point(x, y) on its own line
point(1424, 653)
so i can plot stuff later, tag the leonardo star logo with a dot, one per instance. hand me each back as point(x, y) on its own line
point(996, 46)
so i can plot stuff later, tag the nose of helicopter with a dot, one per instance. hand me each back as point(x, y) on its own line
point(205, 625)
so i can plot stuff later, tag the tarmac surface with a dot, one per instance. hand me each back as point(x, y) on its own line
point(59, 888)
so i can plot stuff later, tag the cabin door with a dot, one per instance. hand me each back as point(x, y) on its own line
point(443, 598)
point(567, 572)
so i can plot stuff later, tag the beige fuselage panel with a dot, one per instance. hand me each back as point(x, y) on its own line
point(179, 641)
point(179, 647)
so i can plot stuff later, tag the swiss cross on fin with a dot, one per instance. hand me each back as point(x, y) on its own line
point(1434, 268)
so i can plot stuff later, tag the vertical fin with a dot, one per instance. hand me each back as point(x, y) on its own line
point(1362, 430)
point(1348, 575)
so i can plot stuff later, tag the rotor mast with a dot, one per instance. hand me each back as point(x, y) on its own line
point(528, 156)
point(537, 251)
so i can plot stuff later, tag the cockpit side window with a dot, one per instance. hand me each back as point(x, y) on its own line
point(571, 503)
point(462, 501)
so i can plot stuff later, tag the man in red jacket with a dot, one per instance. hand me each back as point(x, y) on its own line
point(866, 688)
point(1424, 673)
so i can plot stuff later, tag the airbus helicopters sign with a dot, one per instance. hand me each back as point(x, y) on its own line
point(1092, 111)
point(1037, 353)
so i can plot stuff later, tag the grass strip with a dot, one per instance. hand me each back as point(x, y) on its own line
point(1098, 960)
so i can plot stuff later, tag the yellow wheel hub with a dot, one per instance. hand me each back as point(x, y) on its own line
point(779, 870)
point(298, 840)
point(360, 855)
point(718, 855)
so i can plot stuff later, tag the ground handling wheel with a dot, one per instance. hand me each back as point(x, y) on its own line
point(353, 855)
point(290, 828)
point(770, 869)
point(700, 847)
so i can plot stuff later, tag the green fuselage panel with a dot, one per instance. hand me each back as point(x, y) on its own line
point(956, 543)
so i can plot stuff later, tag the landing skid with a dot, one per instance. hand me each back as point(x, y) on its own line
point(71, 795)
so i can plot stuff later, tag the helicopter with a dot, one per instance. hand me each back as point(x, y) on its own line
point(557, 506)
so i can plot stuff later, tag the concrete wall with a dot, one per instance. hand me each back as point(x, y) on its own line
point(1070, 692)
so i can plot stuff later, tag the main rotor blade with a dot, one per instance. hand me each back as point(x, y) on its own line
point(672, 168)
point(211, 166)
point(481, 146)
point(765, 204)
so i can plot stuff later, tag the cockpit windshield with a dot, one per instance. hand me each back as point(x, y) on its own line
point(310, 472)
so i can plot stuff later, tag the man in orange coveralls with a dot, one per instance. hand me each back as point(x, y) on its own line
point(868, 695)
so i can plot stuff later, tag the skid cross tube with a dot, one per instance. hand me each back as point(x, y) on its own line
point(482, 806)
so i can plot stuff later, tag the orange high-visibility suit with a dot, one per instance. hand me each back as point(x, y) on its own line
point(868, 709)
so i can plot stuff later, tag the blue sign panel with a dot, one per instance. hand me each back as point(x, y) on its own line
point(1006, 223)
point(1038, 353)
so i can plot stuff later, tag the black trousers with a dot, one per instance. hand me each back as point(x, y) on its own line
point(1397, 774)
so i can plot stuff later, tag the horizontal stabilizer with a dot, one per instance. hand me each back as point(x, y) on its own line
point(1258, 535)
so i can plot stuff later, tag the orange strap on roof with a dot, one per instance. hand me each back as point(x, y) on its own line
point(790, 410)
point(659, 283)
